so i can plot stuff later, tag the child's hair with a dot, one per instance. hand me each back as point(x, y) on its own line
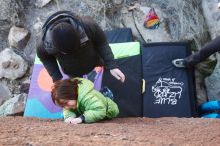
point(65, 89)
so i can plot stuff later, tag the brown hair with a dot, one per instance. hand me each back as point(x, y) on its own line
point(65, 89)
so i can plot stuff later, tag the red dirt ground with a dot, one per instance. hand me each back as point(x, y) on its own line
point(124, 131)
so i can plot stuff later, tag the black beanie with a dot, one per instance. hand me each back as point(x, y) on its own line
point(65, 38)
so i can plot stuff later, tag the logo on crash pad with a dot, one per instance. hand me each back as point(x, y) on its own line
point(167, 91)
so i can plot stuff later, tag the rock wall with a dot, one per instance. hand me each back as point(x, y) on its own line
point(212, 15)
point(181, 20)
point(10, 14)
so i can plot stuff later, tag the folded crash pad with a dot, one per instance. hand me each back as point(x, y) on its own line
point(169, 91)
point(127, 95)
point(39, 103)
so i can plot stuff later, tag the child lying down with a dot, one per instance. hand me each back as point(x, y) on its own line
point(81, 103)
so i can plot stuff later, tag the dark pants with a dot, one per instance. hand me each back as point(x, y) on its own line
point(203, 53)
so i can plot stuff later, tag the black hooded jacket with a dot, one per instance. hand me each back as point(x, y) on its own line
point(95, 51)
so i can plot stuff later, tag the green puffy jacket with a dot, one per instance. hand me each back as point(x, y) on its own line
point(92, 104)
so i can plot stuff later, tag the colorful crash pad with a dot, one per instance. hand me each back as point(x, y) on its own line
point(39, 103)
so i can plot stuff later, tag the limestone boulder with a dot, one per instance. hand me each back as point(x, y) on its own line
point(18, 37)
point(12, 65)
point(14, 105)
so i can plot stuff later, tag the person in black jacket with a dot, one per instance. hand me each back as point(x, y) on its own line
point(78, 44)
point(190, 61)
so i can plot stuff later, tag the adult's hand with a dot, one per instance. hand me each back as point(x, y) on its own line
point(118, 74)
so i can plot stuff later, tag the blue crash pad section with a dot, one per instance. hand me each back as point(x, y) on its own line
point(212, 115)
point(210, 106)
point(210, 109)
point(44, 113)
point(169, 91)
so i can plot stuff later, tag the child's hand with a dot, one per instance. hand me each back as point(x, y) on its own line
point(72, 120)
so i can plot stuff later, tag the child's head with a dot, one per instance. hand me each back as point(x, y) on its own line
point(65, 92)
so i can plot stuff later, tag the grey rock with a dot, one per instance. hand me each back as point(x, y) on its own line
point(212, 16)
point(183, 20)
point(38, 25)
point(4, 93)
point(9, 13)
point(41, 3)
point(18, 37)
point(157, 35)
point(201, 93)
point(12, 66)
point(24, 88)
point(14, 105)
point(118, 2)
point(213, 83)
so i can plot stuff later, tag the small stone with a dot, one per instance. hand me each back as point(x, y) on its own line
point(134, 7)
point(41, 3)
point(18, 37)
point(124, 138)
